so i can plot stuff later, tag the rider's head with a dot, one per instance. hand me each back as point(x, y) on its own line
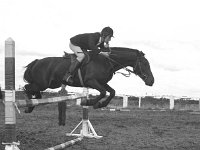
point(106, 34)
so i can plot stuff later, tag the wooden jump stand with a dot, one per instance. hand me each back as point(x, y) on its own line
point(87, 128)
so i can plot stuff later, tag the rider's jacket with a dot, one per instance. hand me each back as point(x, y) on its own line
point(88, 41)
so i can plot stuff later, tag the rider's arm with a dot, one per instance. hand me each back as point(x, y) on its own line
point(93, 45)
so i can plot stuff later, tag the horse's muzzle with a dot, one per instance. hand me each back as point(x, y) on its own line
point(149, 81)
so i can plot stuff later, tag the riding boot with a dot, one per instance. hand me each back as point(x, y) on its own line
point(68, 76)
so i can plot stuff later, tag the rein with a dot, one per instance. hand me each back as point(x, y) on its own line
point(123, 67)
point(128, 70)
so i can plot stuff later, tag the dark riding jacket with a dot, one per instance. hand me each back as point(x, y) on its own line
point(88, 41)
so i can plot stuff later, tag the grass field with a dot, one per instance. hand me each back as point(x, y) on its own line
point(137, 129)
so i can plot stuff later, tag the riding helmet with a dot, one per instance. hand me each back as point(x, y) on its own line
point(107, 31)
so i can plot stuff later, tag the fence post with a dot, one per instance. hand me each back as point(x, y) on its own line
point(171, 106)
point(140, 101)
point(10, 117)
point(125, 101)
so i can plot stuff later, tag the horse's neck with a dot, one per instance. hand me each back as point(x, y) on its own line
point(123, 57)
point(117, 65)
point(120, 62)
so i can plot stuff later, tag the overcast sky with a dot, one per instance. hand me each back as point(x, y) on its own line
point(167, 31)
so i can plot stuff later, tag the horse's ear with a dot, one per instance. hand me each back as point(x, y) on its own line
point(141, 53)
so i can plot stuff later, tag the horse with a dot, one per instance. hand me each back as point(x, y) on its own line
point(48, 72)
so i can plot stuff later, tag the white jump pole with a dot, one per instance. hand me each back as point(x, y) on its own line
point(87, 128)
point(35, 102)
point(171, 101)
point(66, 144)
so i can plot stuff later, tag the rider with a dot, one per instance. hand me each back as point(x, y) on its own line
point(88, 41)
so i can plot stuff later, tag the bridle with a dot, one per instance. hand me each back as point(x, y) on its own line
point(138, 63)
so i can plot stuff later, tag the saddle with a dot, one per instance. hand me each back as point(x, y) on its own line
point(85, 61)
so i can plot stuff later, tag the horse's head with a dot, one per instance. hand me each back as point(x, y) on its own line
point(123, 57)
point(142, 69)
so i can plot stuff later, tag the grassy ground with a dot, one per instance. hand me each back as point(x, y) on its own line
point(137, 129)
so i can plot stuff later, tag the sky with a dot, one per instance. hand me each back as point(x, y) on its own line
point(167, 31)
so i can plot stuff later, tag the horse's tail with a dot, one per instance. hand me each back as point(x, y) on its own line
point(27, 74)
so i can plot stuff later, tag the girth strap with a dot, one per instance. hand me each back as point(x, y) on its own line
point(80, 77)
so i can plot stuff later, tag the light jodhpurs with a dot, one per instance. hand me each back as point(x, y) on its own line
point(78, 52)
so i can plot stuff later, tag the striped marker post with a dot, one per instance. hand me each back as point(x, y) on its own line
point(10, 116)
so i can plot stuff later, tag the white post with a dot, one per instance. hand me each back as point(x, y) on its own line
point(125, 101)
point(140, 101)
point(171, 102)
point(78, 101)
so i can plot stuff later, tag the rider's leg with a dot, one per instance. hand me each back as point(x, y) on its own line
point(75, 65)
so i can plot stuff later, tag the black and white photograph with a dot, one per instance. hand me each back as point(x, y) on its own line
point(99, 75)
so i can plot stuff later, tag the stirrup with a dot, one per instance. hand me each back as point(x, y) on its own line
point(68, 78)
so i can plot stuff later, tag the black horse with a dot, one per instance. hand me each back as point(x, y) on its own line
point(48, 73)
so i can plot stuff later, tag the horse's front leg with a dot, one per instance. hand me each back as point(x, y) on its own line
point(108, 99)
point(95, 85)
point(30, 90)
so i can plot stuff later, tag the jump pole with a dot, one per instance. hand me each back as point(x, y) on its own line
point(36, 102)
point(87, 128)
point(10, 116)
point(64, 145)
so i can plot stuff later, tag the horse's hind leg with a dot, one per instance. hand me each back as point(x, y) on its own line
point(108, 99)
point(95, 85)
point(30, 90)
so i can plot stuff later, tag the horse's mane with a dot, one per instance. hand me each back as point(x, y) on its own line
point(115, 50)
point(123, 50)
